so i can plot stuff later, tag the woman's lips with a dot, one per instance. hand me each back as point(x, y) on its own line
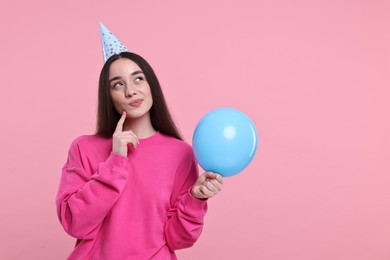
point(136, 103)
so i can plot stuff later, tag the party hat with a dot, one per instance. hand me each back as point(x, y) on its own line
point(111, 45)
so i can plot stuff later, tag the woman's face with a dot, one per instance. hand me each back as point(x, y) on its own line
point(129, 89)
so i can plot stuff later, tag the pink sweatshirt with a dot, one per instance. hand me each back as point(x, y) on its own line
point(130, 208)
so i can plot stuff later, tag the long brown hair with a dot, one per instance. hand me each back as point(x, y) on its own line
point(107, 116)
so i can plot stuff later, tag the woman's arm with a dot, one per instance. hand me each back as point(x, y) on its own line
point(185, 218)
point(83, 200)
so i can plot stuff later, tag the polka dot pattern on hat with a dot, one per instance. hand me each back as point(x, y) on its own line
point(111, 45)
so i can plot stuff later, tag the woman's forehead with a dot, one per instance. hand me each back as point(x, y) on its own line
point(123, 66)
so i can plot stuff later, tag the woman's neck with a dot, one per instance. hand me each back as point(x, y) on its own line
point(142, 127)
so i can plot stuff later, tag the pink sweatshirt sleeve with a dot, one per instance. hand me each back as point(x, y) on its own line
point(185, 218)
point(83, 200)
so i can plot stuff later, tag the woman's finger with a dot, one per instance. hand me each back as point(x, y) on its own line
point(119, 125)
point(125, 140)
point(219, 178)
point(205, 191)
point(210, 186)
point(216, 184)
point(130, 133)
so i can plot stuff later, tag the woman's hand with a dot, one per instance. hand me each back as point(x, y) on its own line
point(207, 185)
point(121, 138)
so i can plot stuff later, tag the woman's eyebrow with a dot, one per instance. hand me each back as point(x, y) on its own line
point(132, 74)
point(114, 78)
point(136, 72)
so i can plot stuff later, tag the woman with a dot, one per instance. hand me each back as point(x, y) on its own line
point(132, 190)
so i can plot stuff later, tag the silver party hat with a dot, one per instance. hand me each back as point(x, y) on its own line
point(111, 45)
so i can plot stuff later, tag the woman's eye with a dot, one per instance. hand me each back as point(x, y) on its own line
point(139, 79)
point(117, 85)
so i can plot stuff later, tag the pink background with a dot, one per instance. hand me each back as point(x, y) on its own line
point(314, 77)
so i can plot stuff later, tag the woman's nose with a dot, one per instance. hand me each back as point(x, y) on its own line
point(130, 91)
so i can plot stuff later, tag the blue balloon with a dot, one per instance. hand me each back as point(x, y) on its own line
point(225, 141)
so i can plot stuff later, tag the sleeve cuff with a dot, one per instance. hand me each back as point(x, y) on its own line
point(192, 203)
point(116, 160)
point(113, 170)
